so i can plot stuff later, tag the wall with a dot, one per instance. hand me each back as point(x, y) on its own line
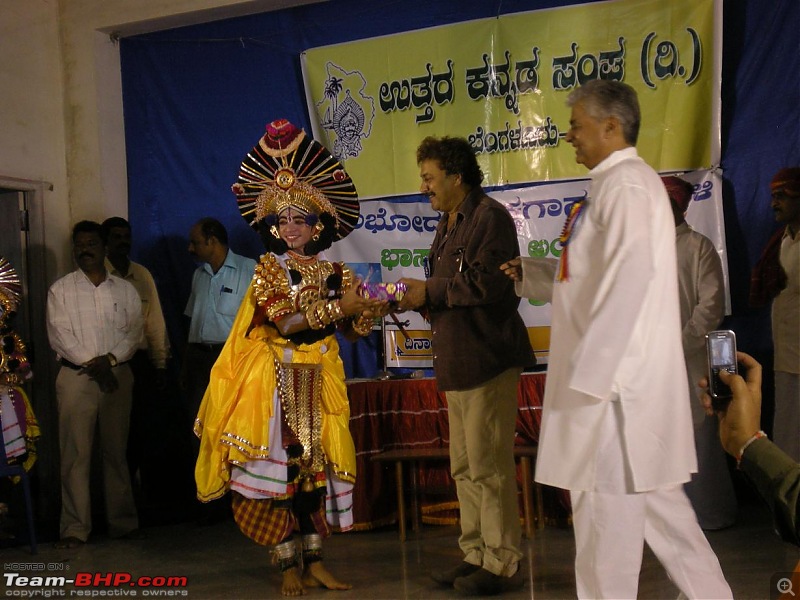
point(62, 140)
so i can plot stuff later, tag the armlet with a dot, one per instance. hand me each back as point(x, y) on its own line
point(271, 288)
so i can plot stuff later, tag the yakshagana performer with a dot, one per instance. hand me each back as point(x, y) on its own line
point(274, 421)
point(18, 424)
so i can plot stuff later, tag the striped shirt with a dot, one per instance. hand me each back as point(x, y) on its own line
point(85, 321)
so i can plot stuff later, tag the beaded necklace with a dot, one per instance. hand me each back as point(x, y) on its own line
point(570, 226)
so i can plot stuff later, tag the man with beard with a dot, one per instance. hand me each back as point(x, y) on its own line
point(94, 323)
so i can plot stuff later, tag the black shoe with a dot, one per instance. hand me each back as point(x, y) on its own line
point(486, 583)
point(450, 575)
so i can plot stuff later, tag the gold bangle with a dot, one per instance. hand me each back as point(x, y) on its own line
point(363, 325)
point(335, 310)
point(312, 317)
point(323, 314)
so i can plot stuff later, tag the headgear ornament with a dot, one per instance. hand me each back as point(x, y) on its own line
point(10, 289)
point(787, 180)
point(679, 191)
point(287, 168)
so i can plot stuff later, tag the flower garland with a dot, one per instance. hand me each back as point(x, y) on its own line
point(570, 225)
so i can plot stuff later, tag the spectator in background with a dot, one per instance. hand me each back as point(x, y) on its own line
point(774, 474)
point(785, 190)
point(149, 363)
point(94, 323)
point(701, 294)
point(218, 286)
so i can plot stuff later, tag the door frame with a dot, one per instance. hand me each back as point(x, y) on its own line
point(46, 474)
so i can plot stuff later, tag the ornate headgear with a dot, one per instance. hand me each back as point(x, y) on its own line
point(10, 289)
point(679, 191)
point(787, 180)
point(287, 168)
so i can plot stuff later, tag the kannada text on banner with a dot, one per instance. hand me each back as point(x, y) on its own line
point(503, 83)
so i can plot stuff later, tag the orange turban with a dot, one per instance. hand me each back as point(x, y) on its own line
point(788, 181)
point(679, 191)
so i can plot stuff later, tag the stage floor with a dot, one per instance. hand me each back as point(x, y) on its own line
point(219, 562)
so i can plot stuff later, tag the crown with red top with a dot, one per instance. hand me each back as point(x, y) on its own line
point(288, 168)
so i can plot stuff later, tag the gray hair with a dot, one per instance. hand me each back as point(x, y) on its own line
point(603, 98)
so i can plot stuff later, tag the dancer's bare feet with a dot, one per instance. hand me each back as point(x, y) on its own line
point(292, 586)
point(316, 575)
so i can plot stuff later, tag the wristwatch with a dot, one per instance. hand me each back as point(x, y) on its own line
point(112, 359)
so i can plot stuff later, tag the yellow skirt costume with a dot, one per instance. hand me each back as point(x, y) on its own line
point(233, 422)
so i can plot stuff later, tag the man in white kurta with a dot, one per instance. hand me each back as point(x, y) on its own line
point(785, 189)
point(616, 425)
point(701, 297)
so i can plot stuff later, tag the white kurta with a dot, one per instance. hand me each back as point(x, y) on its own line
point(616, 336)
point(701, 294)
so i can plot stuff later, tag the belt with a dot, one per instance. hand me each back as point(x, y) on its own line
point(70, 365)
point(207, 347)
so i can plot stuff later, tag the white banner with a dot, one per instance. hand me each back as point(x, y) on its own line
point(393, 237)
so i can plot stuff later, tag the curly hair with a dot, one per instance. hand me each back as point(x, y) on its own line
point(455, 157)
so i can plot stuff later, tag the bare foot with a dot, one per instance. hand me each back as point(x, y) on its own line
point(317, 575)
point(292, 586)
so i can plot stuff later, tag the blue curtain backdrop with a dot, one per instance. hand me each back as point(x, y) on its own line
point(197, 98)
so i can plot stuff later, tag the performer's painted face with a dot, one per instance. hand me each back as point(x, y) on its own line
point(294, 229)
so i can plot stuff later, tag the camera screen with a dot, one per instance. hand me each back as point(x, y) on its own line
point(721, 352)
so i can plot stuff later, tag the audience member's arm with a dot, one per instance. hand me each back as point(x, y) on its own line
point(773, 473)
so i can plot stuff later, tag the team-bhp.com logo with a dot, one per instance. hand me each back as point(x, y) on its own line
point(84, 584)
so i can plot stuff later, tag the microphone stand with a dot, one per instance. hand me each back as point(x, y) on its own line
point(385, 373)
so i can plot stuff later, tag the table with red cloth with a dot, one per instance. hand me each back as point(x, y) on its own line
point(411, 413)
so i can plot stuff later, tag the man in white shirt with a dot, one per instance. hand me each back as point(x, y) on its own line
point(94, 323)
point(616, 425)
point(785, 190)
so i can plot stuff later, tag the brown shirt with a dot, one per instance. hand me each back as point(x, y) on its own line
point(477, 331)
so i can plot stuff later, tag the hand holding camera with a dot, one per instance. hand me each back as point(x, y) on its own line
point(721, 350)
point(740, 418)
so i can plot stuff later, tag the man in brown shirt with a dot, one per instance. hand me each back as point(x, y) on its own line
point(480, 347)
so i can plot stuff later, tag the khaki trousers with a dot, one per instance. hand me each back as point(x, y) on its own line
point(482, 425)
point(81, 408)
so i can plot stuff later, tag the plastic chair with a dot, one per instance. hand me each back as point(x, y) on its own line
point(7, 470)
